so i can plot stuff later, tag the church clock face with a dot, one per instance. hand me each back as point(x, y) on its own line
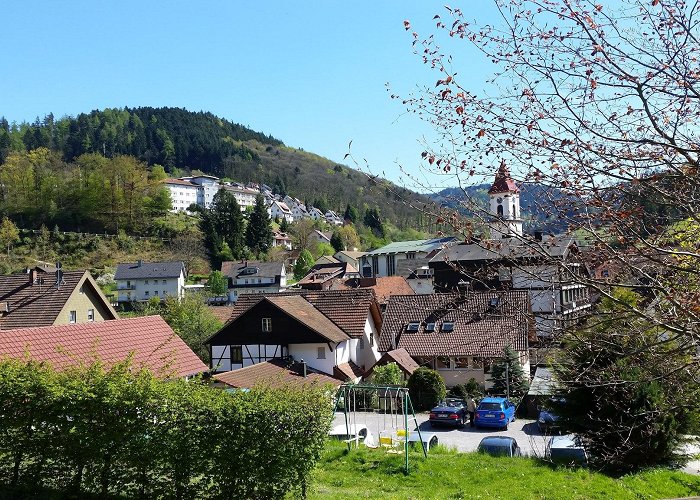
point(499, 200)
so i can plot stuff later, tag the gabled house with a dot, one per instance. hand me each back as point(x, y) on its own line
point(316, 214)
point(334, 333)
point(246, 277)
point(350, 256)
point(280, 239)
point(421, 280)
point(39, 298)
point(322, 275)
point(333, 218)
point(141, 281)
point(148, 339)
point(459, 335)
point(383, 287)
point(401, 257)
point(321, 236)
point(279, 210)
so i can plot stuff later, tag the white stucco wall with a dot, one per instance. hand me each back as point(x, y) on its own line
point(309, 353)
point(136, 289)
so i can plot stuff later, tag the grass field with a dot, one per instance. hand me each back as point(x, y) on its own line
point(445, 474)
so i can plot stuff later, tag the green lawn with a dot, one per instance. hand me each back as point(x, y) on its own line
point(445, 474)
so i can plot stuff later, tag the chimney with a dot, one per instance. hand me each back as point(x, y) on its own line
point(303, 367)
point(139, 263)
point(32, 276)
point(538, 235)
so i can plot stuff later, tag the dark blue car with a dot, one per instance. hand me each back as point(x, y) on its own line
point(494, 412)
point(452, 411)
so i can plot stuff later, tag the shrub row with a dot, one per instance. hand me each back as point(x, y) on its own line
point(121, 432)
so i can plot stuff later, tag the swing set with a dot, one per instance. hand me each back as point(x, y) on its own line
point(393, 434)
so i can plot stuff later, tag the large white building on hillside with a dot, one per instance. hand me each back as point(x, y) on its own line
point(200, 190)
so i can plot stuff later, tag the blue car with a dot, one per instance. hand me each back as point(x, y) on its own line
point(494, 412)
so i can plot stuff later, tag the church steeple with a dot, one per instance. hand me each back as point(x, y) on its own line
point(504, 205)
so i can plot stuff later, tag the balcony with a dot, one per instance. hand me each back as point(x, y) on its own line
point(123, 286)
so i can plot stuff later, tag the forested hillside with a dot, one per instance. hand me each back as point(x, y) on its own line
point(182, 141)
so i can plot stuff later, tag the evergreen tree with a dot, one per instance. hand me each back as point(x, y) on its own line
point(304, 263)
point(515, 383)
point(259, 232)
point(284, 225)
point(351, 214)
point(373, 221)
point(223, 228)
point(217, 283)
point(337, 242)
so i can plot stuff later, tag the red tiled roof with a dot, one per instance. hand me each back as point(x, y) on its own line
point(222, 313)
point(398, 356)
point(39, 304)
point(348, 371)
point(503, 183)
point(274, 373)
point(478, 330)
point(348, 309)
point(384, 287)
point(151, 341)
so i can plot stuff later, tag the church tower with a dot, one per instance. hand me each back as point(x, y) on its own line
point(504, 206)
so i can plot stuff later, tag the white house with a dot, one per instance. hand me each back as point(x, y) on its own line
point(333, 218)
point(280, 239)
point(183, 193)
point(316, 214)
point(209, 186)
point(279, 210)
point(334, 332)
point(401, 257)
point(245, 197)
point(141, 281)
point(253, 277)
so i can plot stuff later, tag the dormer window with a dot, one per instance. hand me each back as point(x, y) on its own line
point(412, 326)
point(448, 326)
point(430, 327)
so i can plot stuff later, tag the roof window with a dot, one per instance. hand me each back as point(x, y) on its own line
point(412, 326)
point(448, 326)
point(430, 327)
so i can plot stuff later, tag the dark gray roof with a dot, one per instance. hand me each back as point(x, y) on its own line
point(256, 269)
point(146, 270)
point(511, 248)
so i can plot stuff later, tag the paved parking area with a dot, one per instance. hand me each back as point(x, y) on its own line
point(525, 432)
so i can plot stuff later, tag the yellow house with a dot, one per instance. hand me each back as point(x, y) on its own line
point(40, 298)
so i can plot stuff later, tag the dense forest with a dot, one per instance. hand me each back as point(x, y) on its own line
point(182, 141)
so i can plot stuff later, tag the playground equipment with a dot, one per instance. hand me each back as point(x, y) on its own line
point(395, 404)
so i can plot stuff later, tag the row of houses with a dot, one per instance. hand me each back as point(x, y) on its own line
point(200, 190)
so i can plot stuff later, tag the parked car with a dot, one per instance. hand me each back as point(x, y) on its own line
point(452, 411)
point(548, 421)
point(567, 450)
point(499, 446)
point(494, 412)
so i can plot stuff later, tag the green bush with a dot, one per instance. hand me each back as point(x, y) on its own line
point(90, 431)
point(471, 388)
point(426, 388)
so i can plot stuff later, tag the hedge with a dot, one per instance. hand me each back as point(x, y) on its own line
point(121, 432)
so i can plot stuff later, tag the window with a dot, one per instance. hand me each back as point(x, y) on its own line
point(155, 292)
point(321, 353)
point(267, 324)
point(91, 315)
point(72, 317)
point(430, 327)
point(442, 363)
point(390, 265)
point(499, 211)
point(410, 255)
point(461, 363)
point(448, 326)
point(165, 282)
point(412, 326)
point(128, 284)
point(146, 293)
point(375, 265)
point(146, 282)
point(236, 354)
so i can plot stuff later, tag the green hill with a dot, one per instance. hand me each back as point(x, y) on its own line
point(182, 141)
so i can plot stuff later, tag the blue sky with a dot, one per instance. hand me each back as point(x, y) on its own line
point(312, 74)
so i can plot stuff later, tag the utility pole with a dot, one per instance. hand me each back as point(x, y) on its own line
point(507, 382)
